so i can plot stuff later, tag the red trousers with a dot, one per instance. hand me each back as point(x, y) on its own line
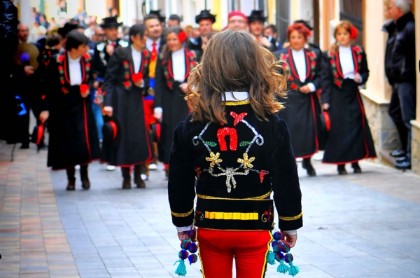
point(218, 249)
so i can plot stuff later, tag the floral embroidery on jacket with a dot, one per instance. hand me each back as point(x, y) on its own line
point(190, 62)
point(336, 67)
point(216, 150)
point(129, 74)
point(293, 80)
point(64, 75)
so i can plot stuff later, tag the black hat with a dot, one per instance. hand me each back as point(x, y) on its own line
point(157, 13)
point(63, 31)
point(110, 22)
point(304, 22)
point(111, 131)
point(257, 15)
point(175, 17)
point(205, 14)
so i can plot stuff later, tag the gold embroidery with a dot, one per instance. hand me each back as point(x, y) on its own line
point(246, 162)
point(236, 103)
point(290, 218)
point(185, 214)
point(219, 215)
point(262, 197)
point(214, 159)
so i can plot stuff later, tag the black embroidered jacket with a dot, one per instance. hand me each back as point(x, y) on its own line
point(231, 171)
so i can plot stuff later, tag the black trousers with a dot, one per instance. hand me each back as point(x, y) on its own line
point(402, 110)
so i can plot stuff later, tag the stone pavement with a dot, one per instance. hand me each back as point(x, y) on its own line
point(364, 225)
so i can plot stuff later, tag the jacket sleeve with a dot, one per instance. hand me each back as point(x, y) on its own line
point(364, 70)
point(113, 70)
point(160, 83)
point(326, 79)
point(318, 70)
point(285, 180)
point(181, 179)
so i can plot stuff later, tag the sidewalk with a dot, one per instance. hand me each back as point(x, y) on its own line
point(364, 225)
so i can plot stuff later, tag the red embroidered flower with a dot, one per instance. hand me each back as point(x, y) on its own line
point(84, 89)
point(126, 84)
point(61, 58)
point(293, 86)
point(338, 83)
point(137, 77)
point(60, 68)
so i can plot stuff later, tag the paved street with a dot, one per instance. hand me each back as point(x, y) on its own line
point(365, 225)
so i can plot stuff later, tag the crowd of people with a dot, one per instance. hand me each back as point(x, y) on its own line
point(136, 81)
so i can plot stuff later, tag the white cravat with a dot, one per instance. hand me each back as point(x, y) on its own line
point(178, 65)
point(236, 96)
point(75, 71)
point(136, 59)
point(346, 61)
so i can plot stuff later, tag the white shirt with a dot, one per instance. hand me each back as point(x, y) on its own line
point(178, 65)
point(136, 59)
point(300, 63)
point(346, 61)
point(75, 71)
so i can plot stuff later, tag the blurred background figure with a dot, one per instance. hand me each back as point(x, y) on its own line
point(346, 68)
point(174, 21)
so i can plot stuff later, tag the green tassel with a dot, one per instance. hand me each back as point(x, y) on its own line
point(283, 268)
point(294, 270)
point(271, 257)
point(181, 270)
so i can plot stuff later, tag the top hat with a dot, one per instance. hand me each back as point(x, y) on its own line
point(205, 14)
point(257, 15)
point(110, 22)
point(63, 31)
point(157, 13)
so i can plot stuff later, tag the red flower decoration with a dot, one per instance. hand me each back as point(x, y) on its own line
point(84, 88)
point(182, 36)
point(353, 32)
point(293, 86)
point(137, 77)
point(126, 84)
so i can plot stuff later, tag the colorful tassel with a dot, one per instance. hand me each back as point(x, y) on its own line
point(181, 270)
point(294, 270)
point(271, 257)
point(283, 268)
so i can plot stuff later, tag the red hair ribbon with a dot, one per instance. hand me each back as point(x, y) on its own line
point(182, 36)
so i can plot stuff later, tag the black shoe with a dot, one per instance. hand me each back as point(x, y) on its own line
point(126, 184)
point(71, 186)
point(397, 153)
point(306, 164)
point(341, 170)
point(24, 146)
point(356, 168)
point(85, 184)
point(401, 159)
point(140, 183)
point(403, 165)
